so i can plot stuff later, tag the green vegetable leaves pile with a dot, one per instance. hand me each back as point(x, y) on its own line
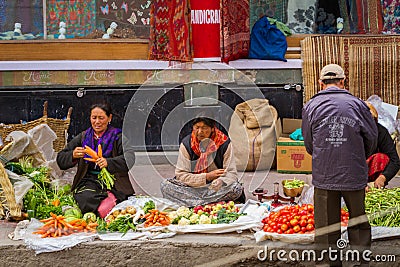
point(121, 224)
point(42, 198)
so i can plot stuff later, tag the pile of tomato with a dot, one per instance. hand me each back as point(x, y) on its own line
point(344, 215)
point(290, 220)
point(294, 219)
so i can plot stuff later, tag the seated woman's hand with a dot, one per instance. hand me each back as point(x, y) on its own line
point(211, 176)
point(79, 152)
point(216, 185)
point(102, 163)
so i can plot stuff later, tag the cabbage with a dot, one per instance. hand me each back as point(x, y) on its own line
point(90, 217)
point(73, 212)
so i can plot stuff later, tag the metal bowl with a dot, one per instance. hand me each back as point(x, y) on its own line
point(292, 192)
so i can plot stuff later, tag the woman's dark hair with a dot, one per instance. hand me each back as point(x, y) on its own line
point(207, 121)
point(106, 107)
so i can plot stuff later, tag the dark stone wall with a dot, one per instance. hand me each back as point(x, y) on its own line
point(27, 105)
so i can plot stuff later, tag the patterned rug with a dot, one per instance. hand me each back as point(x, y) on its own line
point(235, 29)
point(371, 64)
point(391, 11)
point(170, 31)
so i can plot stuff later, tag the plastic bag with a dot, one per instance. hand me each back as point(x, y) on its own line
point(43, 136)
point(384, 118)
point(297, 135)
point(267, 41)
point(21, 185)
point(307, 197)
point(40, 245)
point(22, 145)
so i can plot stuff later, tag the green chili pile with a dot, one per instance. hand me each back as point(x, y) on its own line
point(383, 207)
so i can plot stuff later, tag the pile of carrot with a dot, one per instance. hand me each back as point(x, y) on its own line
point(156, 218)
point(56, 226)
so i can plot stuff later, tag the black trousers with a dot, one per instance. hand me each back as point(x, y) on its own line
point(327, 205)
point(89, 194)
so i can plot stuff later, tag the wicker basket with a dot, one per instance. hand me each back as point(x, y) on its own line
point(60, 127)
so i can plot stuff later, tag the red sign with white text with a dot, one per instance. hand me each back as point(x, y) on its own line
point(205, 22)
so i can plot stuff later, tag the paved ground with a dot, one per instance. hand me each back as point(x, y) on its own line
point(185, 250)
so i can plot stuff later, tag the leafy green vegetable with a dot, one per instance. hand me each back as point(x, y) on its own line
point(121, 224)
point(149, 205)
point(225, 217)
point(15, 167)
point(106, 178)
point(40, 197)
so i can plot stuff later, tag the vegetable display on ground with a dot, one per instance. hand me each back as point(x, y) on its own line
point(57, 226)
point(214, 213)
point(383, 207)
point(43, 198)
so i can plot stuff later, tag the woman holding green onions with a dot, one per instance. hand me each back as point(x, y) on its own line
point(91, 194)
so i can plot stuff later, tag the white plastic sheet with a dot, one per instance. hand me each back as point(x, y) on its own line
point(241, 224)
point(41, 245)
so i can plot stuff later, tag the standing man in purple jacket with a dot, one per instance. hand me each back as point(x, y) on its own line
point(340, 133)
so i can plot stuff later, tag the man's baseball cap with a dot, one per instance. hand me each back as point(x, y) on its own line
point(332, 71)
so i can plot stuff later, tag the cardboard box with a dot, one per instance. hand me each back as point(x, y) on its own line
point(292, 156)
point(289, 126)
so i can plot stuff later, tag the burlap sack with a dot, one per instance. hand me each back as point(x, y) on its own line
point(254, 129)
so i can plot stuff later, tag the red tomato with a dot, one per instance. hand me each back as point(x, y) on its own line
point(294, 222)
point(303, 223)
point(284, 227)
point(347, 214)
point(265, 228)
point(296, 228)
point(279, 231)
point(290, 231)
point(310, 221)
point(310, 227)
point(303, 229)
point(304, 217)
point(310, 207)
point(342, 212)
point(303, 213)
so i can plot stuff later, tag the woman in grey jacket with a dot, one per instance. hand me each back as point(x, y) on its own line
point(340, 133)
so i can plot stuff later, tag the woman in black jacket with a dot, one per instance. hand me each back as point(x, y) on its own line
point(384, 163)
point(90, 194)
